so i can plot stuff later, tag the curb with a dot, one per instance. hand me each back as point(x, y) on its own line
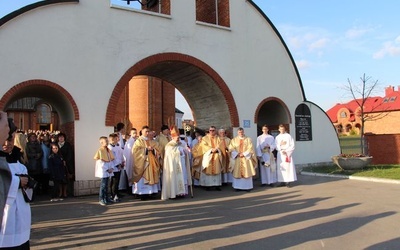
point(357, 178)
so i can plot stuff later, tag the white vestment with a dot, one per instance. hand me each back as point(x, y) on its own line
point(285, 165)
point(176, 171)
point(128, 157)
point(264, 148)
point(16, 225)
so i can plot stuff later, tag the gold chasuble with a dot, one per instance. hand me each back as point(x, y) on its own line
point(215, 160)
point(244, 166)
point(162, 141)
point(146, 162)
point(225, 153)
point(197, 153)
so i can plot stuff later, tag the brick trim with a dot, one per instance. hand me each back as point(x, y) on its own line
point(146, 62)
point(268, 99)
point(17, 88)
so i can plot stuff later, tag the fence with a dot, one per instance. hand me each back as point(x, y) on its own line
point(350, 144)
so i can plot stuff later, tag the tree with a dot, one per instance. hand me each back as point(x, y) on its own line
point(362, 93)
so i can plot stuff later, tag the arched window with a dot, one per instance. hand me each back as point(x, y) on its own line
point(43, 114)
point(343, 114)
point(339, 128)
point(348, 128)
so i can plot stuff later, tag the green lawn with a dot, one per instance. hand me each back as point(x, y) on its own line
point(351, 145)
point(376, 171)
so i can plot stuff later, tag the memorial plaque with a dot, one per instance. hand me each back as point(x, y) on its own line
point(303, 123)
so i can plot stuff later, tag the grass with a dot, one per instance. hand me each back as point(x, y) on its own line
point(351, 145)
point(376, 171)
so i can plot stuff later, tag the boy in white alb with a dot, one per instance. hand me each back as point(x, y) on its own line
point(118, 164)
point(104, 169)
point(285, 165)
point(264, 148)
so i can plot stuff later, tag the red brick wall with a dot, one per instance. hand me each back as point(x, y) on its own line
point(385, 149)
point(138, 102)
point(223, 13)
point(69, 130)
point(206, 12)
point(151, 101)
point(123, 107)
point(165, 7)
point(168, 103)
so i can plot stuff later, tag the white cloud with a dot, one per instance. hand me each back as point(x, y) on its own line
point(303, 64)
point(319, 44)
point(301, 38)
point(354, 33)
point(390, 48)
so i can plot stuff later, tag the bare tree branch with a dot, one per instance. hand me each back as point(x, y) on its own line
point(361, 93)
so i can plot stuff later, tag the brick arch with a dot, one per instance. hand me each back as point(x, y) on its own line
point(282, 103)
point(141, 66)
point(17, 89)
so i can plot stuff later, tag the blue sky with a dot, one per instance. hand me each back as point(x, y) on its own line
point(330, 41)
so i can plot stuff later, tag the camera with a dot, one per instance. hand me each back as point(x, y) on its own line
point(32, 183)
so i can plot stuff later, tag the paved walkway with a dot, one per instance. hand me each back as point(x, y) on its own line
point(317, 213)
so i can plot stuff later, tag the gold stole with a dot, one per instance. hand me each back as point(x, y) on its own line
point(225, 157)
point(152, 172)
point(104, 154)
point(242, 174)
point(211, 169)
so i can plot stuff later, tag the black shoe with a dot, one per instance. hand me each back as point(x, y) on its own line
point(218, 188)
point(208, 189)
point(144, 197)
point(288, 185)
point(263, 185)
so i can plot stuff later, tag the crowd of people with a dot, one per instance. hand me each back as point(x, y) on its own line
point(145, 163)
point(49, 159)
point(15, 191)
point(30, 160)
point(148, 164)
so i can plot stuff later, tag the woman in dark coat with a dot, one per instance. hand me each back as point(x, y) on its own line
point(58, 173)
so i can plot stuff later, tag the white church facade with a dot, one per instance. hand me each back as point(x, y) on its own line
point(79, 55)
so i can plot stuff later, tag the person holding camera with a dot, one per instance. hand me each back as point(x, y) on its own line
point(5, 175)
point(16, 221)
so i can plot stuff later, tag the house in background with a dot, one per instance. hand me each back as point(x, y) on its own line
point(383, 114)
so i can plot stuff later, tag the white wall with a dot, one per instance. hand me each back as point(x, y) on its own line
point(87, 47)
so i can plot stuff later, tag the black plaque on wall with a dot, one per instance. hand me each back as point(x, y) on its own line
point(303, 123)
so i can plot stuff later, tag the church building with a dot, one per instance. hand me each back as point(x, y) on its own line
point(87, 65)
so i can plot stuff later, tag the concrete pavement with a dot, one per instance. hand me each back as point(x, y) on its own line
point(317, 213)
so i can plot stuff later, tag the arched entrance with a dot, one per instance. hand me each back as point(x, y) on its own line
point(272, 111)
point(205, 91)
point(49, 94)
